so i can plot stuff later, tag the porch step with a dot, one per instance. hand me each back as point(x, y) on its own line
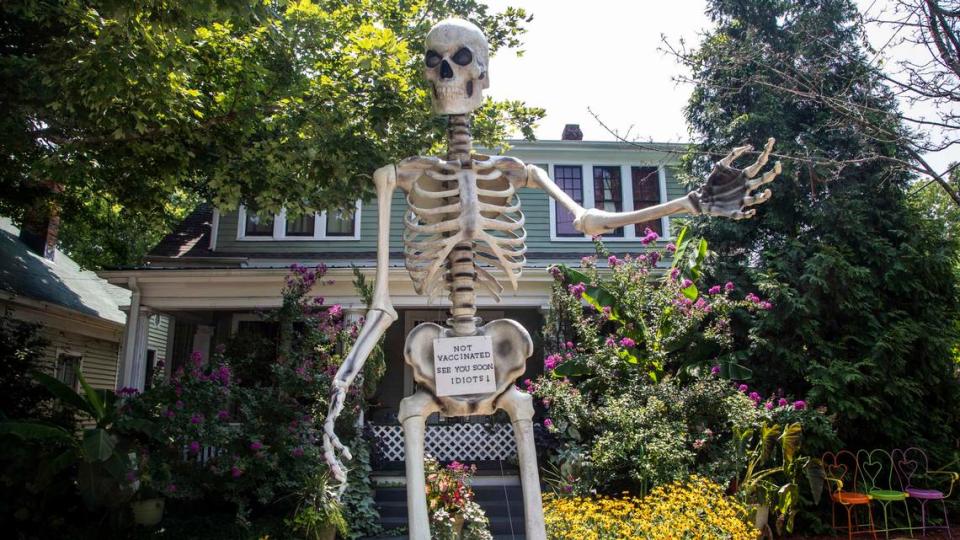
point(503, 505)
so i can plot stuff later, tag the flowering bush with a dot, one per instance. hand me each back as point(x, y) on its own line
point(244, 426)
point(694, 509)
point(451, 504)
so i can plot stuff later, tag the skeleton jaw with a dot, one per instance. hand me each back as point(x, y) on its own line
point(455, 97)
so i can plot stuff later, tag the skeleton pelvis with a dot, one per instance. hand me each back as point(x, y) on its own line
point(511, 348)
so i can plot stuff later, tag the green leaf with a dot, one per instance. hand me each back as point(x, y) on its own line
point(572, 368)
point(34, 430)
point(97, 445)
point(95, 402)
point(64, 393)
point(790, 441)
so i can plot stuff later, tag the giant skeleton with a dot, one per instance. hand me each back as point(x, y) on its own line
point(464, 228)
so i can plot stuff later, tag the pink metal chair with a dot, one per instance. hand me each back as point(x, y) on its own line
point(913, 468)
point(844, 485)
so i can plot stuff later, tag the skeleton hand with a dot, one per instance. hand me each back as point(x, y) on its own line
point(331, 443)
point(728, 190)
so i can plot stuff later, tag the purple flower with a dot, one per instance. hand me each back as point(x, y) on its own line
point(197, 358)
point(607, 312)
point(752, 298)
point(743, 388)
point(547, 423)
point(131, 476)
point(178, 404)
point(675, 273)
point(729, 286)
point(654, 258)
point(799, 405)
point(556, 272)
point(754, 397)
point(766, 306)
point(256, 445)
point(649, 236)
point(610, 342)
point(627, 342)
point(685, 283)
point(335, 310)
point(194, 447)
point(128, 391)
point(236, 472)
point(586, 261)
point(197, 418)
point(169, 414)
point(297, 452)
point(671, 247)
point(613, 261)
point(577, 290)
point(569, 345)
point(715, 370)
point(223, 415)
point(552, 361)
point(171, 488)
point(714, 290)
point(783, 402)
point(768, 405)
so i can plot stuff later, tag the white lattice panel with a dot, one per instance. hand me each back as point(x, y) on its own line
point(461, 442)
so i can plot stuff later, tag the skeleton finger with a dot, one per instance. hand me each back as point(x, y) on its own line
point(734, 154)
point(738, 215)
point(767, 177)
point(752, 170)
point(762, 197)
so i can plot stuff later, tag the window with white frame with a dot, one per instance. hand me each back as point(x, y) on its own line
point(332, 225)
point(615, 188)
point(67, 369)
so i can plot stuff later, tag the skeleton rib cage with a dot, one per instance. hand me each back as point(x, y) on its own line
point(463, 226)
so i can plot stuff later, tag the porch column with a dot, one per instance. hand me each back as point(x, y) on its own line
point(133, 369)
point(201, 340)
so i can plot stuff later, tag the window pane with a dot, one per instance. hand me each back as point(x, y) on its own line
point(646, 193)
point(302, 225)
point(67, 368)
point(570, 180)
point(340, 222)
point(257, 224)
point(608, 192)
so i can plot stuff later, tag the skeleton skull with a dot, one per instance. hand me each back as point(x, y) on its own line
point(456, 66)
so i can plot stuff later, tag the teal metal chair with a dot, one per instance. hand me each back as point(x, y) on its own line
point(880, 482)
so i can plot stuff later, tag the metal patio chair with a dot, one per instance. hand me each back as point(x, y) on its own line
point(913, 468)
point(882, 484)
point(843, 483)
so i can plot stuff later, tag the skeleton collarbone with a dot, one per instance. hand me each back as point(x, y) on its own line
point(464, 206)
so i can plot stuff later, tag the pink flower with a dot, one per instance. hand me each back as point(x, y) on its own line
point(675, 273)
point(613, 261)
point(569, 345)
point(171, 488)
point(654, 258)
point(586, 261)
point(297, 452)
point(799, 405)
point(714, 290)
point(197, 358)
point(223, 415)
point(236, 472)
point(256, 445)
point(649, 236)
point(768, 405)
point(178, 404)
point(783, 402)
point(552, 361)
point(671, 247)
point(607, 312)
point(752, 298)
point(577, 290)
point(685, 283)
point(194, 447)
point(743, 388)
point(755, 397)
point(715, 370)
point(547, 423)
point(766, 306)
point(556, 272)
point(729, 286)
point(610, 342)
point(335, 310)
point(627, 342)
point(197, 418)
point(698, 444)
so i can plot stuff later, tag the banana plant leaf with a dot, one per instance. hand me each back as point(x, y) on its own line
point(64, 393)
point(35, 430)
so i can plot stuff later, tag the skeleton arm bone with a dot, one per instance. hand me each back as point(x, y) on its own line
point(379, 317)
point(727, 193)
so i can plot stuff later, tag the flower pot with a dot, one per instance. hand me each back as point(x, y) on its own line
point(327, 532)
point(458, 526)
point(148, 512)
point(761, 520)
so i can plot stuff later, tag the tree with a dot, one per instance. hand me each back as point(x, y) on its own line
point(864, 290)
point(135, 108)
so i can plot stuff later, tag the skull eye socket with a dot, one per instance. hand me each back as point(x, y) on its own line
point(432, 59)
point(463, 56)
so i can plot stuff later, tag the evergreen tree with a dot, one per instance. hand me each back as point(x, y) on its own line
point(865, 291)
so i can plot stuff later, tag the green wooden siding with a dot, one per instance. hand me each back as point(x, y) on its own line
point(535, 207)
point(99, 358)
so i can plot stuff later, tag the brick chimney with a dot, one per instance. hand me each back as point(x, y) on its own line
point(41, 223)
point(571, 132)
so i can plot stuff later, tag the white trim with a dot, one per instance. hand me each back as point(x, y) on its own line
point(280, 228)
point(237, 318)
point(214, 229)
point(665, 220)
point(60, 351)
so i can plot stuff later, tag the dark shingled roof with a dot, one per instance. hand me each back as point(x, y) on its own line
point(60, 281)
point(191, 238)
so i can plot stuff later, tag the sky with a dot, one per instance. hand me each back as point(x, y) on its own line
point(607, 56)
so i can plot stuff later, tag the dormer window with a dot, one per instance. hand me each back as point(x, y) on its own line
point(332, 225)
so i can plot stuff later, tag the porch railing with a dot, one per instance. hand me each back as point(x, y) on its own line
point(448, 442)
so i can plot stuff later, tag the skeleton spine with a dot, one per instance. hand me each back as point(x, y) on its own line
point(461, 273)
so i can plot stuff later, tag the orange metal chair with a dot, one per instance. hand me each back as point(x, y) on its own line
point(843, 483)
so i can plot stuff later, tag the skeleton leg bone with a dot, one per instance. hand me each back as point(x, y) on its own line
point(414, 411)
point(380, 316)
point(519, 406)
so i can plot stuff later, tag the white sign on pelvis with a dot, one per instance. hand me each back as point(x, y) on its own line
point(464, 228)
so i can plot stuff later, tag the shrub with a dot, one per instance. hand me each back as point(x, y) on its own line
point(691, 509)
